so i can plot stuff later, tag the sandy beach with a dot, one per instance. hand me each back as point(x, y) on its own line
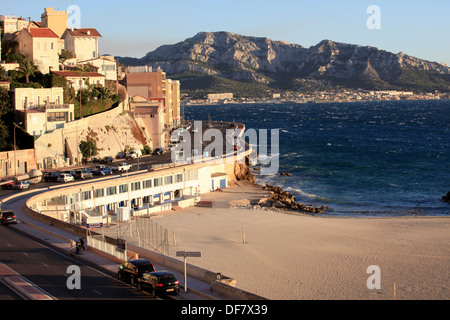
point(285, 256)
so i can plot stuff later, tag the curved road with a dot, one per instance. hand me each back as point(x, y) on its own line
point(47, 269)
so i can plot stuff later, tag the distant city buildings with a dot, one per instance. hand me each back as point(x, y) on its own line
point(214, 97)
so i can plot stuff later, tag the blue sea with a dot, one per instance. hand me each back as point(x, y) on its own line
point(378, 158)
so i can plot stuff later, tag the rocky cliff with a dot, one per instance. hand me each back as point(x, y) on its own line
point(280, 64)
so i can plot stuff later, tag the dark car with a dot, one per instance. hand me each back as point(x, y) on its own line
point(158, 151)
point(103, 171)
point(159, 283)
point(7, 184)
point(7, 216)
point(132, 270)
point(107, 160)
point(83, 174)
point(51, 176)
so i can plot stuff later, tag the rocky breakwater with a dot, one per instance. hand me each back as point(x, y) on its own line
point(283, 200)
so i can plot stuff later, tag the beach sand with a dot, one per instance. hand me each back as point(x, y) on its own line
point(296, 256)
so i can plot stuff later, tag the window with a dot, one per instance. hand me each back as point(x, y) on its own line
point(179, 177)
point(86, 195)
point(135, 186)
point(168, 180)
point(123, 188)
point(57, 116)
point(157, 182)
point(51, 45)
point(147, 184)
point(98, 193)
point(111, 191)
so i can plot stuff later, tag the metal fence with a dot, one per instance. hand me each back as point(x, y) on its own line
point(151, 234)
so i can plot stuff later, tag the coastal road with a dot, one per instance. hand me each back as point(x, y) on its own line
point(48, 269)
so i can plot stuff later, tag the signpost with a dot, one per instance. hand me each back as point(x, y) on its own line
point(94, 222)
point(185, 254)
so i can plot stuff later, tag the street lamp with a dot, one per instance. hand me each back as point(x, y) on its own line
point(15, 163)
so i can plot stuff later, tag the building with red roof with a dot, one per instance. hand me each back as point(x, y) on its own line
point(41, 46)
point(82, 42)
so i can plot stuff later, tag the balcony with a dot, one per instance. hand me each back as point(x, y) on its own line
point(50, 105)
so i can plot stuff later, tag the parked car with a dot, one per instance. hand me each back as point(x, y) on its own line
point(158, 151)
point(122, 166)
point(134, 154)
point(7, 216)
point(71, 172)
point(107, 160)
point(7, 184)
point(20, 185)
point(132, 270)
point(51, 176)
point(159, 283)
point(103, 171)
point(65, 177)
point(83, 174)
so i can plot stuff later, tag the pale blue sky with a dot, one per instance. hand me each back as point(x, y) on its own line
point(135, 27)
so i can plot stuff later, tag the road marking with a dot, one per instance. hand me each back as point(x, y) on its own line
point(99, 293)
point(44, 264)
point(21, 285)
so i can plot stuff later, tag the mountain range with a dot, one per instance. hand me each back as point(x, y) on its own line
point(224, 61)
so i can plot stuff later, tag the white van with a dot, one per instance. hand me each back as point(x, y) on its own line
point(134, 154)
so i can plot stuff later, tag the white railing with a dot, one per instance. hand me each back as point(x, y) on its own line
point(108, 248)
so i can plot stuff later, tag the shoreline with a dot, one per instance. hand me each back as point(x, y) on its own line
point(255, 101)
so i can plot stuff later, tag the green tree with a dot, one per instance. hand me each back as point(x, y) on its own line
point(88, 148)
point(65, 55)
point(27, 69)
point(4, 137)
point(5, 102)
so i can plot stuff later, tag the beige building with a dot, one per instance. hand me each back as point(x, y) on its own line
point(57, 22)
point(219, 96)
point(105, 65)
point(42, 110)
point(150, 114)
point(145, 82)
point(80, 79)
point(12, 24)
point(13, 163)
point(40, 45)
point(83, 43)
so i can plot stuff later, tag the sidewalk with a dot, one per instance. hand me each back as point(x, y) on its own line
point(60, 240)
